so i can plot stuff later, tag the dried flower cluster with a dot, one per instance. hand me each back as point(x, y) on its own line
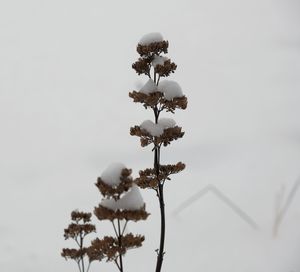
point(114, 248)
point(116, 191)
point(110, 248)
point(157, 101)
point(103, 213)
point(169, 135)
point(148, 178)
point(155, 48)
point(78, 231)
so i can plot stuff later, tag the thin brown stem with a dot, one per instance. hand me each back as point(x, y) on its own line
point(88, 268)
point(161, 252)
point(75, 239)
point(160, 195)
point(115, 229)
point(78, 263)
point(158, 80)
point(124, 228)
point(120, 245)
point(117, 265)
point(81, 247)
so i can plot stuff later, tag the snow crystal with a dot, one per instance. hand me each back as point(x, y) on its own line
point(111, 175)
point(170, 88)
point(166, 122)
point(152, 128)
point(131, 201)
point(158, 60)
point(151, 38)
point(149, 87)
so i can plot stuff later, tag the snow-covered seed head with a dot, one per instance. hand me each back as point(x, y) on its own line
point(170, 88)
point(149, 87)
point(152, 44)
point(114, 180)
point(112, 174)
point(149, 38)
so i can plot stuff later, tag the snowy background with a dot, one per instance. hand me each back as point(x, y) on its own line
point(65, 74)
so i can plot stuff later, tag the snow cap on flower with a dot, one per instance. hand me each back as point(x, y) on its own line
point(170, 88)
point(130, 201)
point(158, 60)
point(152, 128)
point(149, 87)
point(149, 38)
point(166, 122)
point(112, 174)
point(152, 44)
point(115, 180)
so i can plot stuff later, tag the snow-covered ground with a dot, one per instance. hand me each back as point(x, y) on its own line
point(65, 74)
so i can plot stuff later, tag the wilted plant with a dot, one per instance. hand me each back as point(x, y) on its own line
point(158, 96)
point(122, 201)
point(78, 230)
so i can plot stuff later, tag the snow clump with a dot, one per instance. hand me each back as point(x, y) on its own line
point(149, 87)
point(158, 129)
point(111, 175)
point(152, 128)
point(170, 88)
point(158, 60)
point(131, 201)
point(167, 122)
point(151, 38)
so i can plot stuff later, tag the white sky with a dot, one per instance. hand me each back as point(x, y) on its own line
point(65, 74)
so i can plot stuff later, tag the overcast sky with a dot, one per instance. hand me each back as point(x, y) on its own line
point(65, 114)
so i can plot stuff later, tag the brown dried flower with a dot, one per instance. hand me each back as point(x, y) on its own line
point(169, 135)
point(116, 191)
point(75, 230)
point(103, 213)
point(78, 231)
point(72, 253)
point(156, 99)
point(130, 241)
point(107, 247)
point(165, 69)
point(77, 216)
point(143, 66)
point(153, 48)
point(112, 248)
point(149, 179)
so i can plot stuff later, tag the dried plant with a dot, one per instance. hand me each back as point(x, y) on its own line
point(121, 200)
point(119, 208)
point(114, 248)
point(78, 230)
point(158, 96)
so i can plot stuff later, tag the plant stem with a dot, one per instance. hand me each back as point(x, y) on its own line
point(160, 194)
point(161, 253)
point(120, 245)
point(79, 265)
point(81, 247)
point(88, 267)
